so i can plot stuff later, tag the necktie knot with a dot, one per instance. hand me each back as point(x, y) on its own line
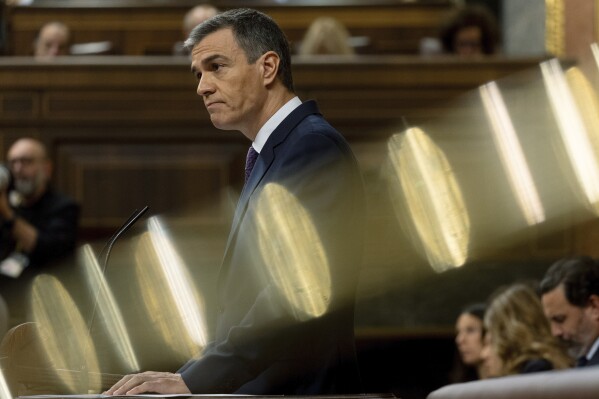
point(250, 161)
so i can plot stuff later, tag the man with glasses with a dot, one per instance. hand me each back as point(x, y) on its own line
point(38, 225)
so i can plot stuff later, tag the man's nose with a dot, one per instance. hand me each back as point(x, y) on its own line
point(556, 331)
point(204, 86)
point(16, 168)
point(54, 49)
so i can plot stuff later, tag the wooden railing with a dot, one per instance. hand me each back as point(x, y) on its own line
point(138, 27)
point(122, 129)
point(129, 131)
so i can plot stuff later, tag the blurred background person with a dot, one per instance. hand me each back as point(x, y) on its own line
point(38, 225)
point(471, 30)
point(470, 333)
point(53, 39)
point(518, 338)
point(326, 35)
point(193, 18)
point(570, 297)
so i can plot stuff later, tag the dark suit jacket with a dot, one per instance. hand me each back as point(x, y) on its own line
point(536, 365)
point(594, 361)
point(263, 343)
point(56, 218)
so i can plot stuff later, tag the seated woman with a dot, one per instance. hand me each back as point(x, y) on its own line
point(326, 35)
point(472, 30)
point(518, 338)
point(469, 341)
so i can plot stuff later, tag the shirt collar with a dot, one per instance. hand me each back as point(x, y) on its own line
point(274, 121)
point(593, 349)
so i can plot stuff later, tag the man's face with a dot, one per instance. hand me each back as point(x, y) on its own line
point(53, 40)
point(233, 90)
point(29, 166)
point(577, 326)
point(468, 41)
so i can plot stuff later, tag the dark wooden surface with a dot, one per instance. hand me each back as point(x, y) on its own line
point(129, 131)
point(125, 130)
point(138, 27)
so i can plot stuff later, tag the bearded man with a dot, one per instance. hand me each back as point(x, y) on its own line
point(38, 225)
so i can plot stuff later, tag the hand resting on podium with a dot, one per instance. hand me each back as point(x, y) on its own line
point(149, 382)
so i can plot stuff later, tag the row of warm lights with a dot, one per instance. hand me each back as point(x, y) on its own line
point(423, 178)
point(301, 282)
point(427, 187)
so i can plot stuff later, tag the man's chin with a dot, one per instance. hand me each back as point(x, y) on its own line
point(574, 350)
point(221, 124)
point(25, 190)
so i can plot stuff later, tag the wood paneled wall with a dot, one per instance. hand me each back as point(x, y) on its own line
point(138, 27)
point(129, 130)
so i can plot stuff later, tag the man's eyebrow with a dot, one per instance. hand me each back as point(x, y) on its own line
point(207, 60)
point(211, 58)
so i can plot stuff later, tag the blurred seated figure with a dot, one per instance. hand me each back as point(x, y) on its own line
point(193, 18)
point(38, 225)
point(53, 39)
point(470, 333)
point(518, 338)
point(472, 30)
point(326, 35)
point(570, 297)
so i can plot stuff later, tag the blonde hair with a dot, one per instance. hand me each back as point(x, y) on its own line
point(326, 35)
point(520, 331)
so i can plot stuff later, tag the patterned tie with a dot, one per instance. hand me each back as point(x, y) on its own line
point(250, 161)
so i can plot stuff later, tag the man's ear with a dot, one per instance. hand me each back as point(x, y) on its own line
point(594, 306)
point(270, 65)
point(48, 168)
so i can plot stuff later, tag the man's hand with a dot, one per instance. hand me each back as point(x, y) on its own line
point(149, 382)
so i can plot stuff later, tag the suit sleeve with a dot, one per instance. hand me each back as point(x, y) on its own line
point(321, 173)
point(57, 233)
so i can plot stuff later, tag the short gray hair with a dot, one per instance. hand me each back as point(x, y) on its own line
point(255, 32)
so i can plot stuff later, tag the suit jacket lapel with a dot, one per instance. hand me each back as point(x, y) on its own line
point(264, 162)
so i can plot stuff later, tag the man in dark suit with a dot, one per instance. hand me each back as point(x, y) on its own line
point(38, 225)
point(570, 296)
point(287, 280)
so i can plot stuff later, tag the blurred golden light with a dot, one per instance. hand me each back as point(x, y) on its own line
point(4, 390)
point(294, 258)
point(424, 182)
point(172, 302)
point(108, 312)
point(511, 154)
point(577, 140)
point(595, 52)
point(588, 104)
point(66, 340)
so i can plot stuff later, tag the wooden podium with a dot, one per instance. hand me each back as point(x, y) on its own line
point(30, 375)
